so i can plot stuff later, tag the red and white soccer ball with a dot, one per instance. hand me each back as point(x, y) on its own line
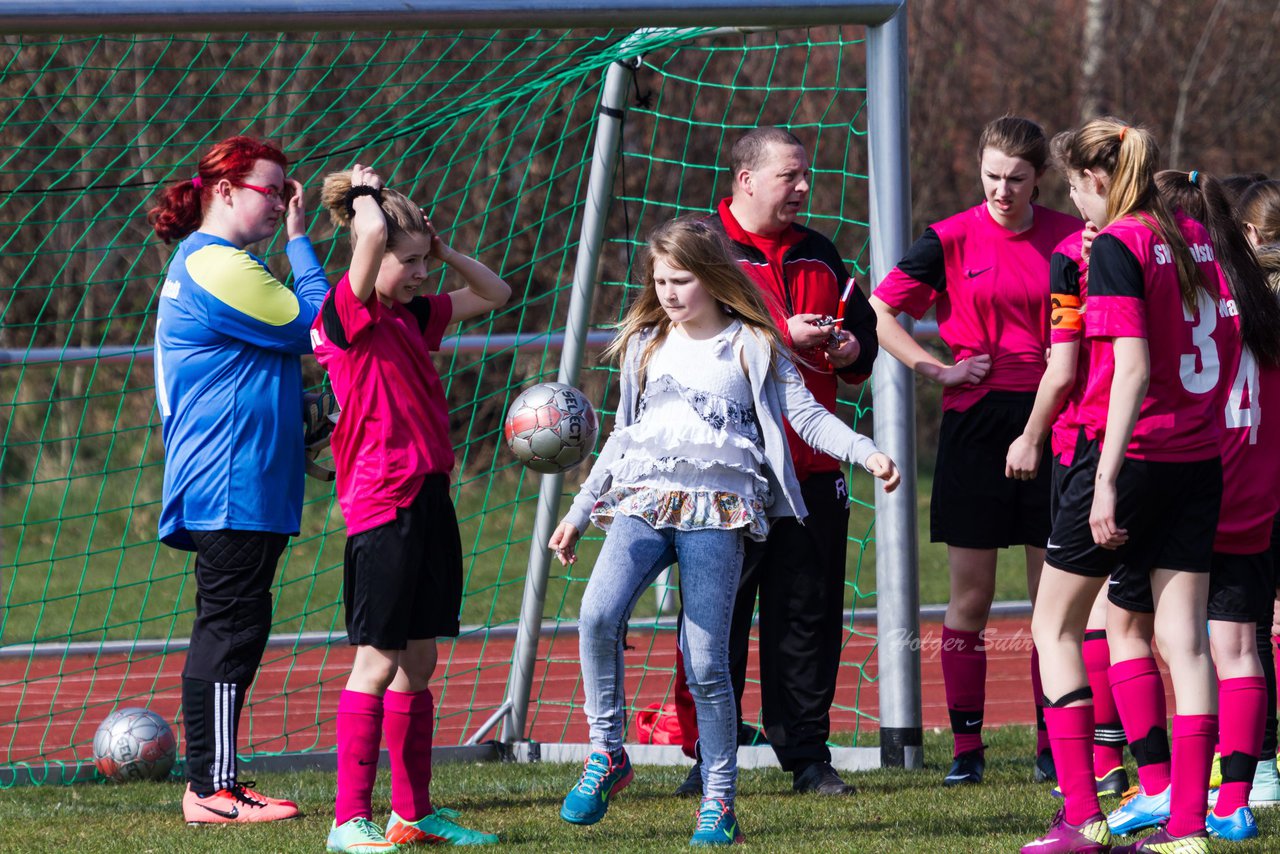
point(550, 427)
point(134, 744)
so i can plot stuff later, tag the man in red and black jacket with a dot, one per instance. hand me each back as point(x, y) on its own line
point(799, 571)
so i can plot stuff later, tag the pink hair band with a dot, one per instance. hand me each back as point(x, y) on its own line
point(197, 182)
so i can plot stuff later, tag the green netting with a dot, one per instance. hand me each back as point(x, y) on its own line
point(493, 133)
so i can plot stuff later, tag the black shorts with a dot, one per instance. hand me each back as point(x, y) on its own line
point(974, 506)
point(402, 581)
point(1170, 510)
point(1242, 588)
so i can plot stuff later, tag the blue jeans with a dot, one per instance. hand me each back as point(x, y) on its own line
point(631, 558)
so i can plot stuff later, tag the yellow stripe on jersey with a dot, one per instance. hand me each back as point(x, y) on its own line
point(232, 277)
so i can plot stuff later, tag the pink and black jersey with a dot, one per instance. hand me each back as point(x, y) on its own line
point(394, 427)
point(1068, 288)
point(1134, 293)
point(1250, 460)
point(989, 287)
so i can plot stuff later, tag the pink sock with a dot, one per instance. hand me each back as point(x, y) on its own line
point(359, 739)
point(1037, 694)
point(1242, 708)
point(408, 721)
point(1108, 734)
point(1192, 760)
point(1139, 696)
point(1071, 738)
point(964, 677)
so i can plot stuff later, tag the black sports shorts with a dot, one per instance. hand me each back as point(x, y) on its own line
point(974, 505)
point(1170, 510)
point(402, 581)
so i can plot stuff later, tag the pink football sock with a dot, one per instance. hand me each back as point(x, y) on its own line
point(964, 676)
point(407, 723)
point(1108, 734)
point(1192, 758)
point(359, 728)
point(1242, 708)
point(1139, 695)
point(1071, 738)
point(1037, 694)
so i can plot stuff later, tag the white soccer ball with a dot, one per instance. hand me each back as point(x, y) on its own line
point(134, 744)
point(551, 427)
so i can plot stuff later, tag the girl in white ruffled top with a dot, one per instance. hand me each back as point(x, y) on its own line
point(697, 461)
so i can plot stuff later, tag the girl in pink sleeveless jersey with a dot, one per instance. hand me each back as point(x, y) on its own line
point(402, 582)
point(985, 271)
point(1140, 500)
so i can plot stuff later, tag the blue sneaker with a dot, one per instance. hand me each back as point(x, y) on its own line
point(1137, 811)
point(1235, 827)
point(588, 800)
point(717, 825)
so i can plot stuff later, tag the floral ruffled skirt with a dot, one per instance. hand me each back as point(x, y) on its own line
point(684, 510)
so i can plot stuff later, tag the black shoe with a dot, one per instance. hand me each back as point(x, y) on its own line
point(692, 785)
point(1045, 771)
point(749, 736)
point(821, 779)
point(966, 769)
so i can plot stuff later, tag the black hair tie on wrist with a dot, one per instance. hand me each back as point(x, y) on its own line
point(361, 190)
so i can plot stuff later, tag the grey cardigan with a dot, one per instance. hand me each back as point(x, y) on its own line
point(778, 391)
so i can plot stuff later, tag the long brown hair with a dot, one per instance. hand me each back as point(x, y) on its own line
point(1260, 207)
point(1202, 197)
point(181, 208)
point(1128, 154)
point(691, 244)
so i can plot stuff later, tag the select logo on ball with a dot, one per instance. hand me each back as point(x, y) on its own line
point(551, 427)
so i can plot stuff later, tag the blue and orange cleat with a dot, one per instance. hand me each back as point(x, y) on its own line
point(437, 828)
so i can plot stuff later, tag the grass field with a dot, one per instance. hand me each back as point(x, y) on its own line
point(894, 811)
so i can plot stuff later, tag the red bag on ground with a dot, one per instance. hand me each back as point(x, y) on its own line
point(658, 724)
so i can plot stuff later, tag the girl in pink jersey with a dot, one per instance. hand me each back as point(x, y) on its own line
point(1055, 414)
point(1241, 582)
point(402, 583)
point(697, 462)
point(1140, 500)
point(984, 270)
point(1258, 207)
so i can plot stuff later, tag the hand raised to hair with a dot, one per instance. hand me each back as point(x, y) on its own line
point(439, 250)
point(295, 212)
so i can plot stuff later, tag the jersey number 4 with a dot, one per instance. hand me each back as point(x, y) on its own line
point(1204, 379)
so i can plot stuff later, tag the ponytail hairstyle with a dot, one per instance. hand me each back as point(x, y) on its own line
point(1128, 155)
point(693, 245)
point(403, 216)
point(1014, 136)
point(1201, 197)
point(180, 210)
point(1260, 208)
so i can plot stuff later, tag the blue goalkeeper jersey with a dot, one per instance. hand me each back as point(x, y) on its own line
point(229, 337)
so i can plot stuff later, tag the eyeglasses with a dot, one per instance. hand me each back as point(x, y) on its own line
point(271, 193)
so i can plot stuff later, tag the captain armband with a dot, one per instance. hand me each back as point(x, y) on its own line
point(1066, 312)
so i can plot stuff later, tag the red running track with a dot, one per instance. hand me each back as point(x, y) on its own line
point(58, 702)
